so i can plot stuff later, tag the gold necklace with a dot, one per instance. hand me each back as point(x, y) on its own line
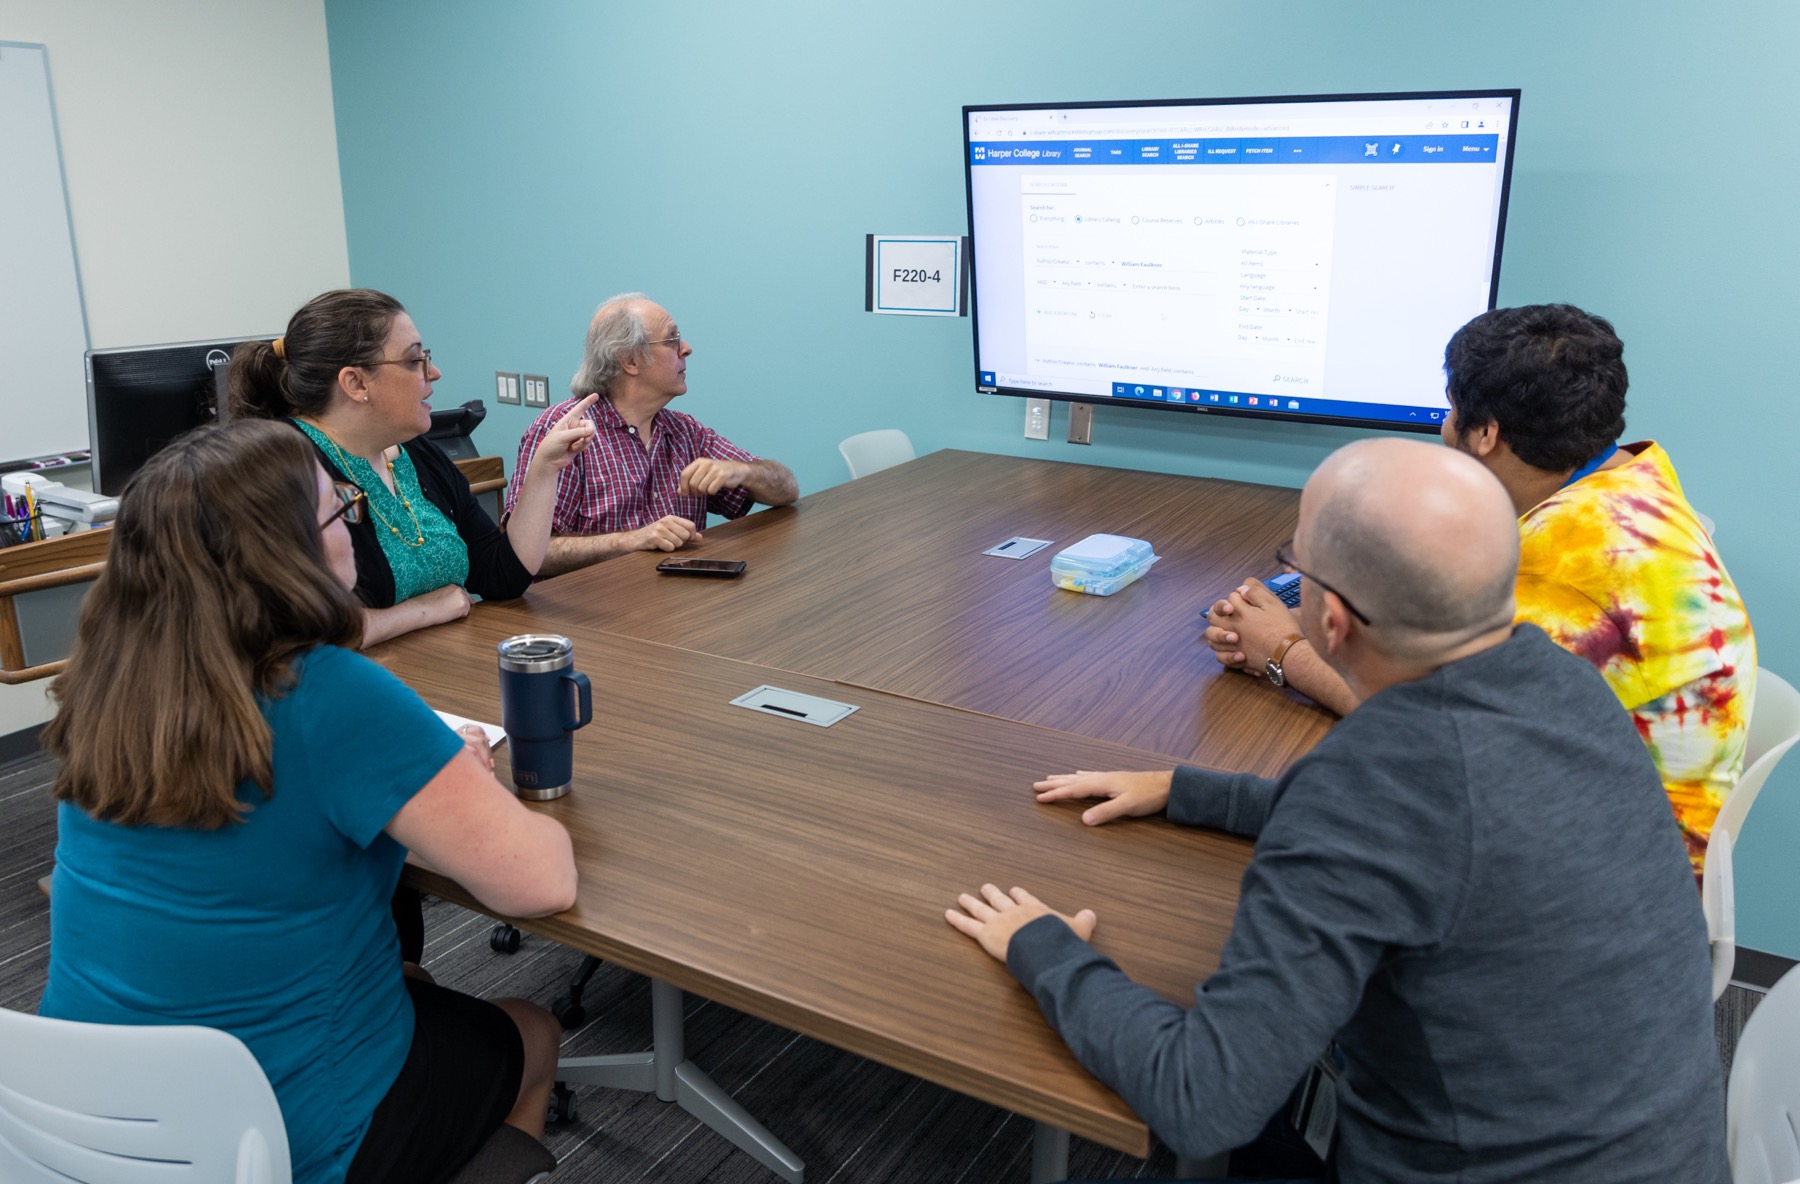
point(344, 464)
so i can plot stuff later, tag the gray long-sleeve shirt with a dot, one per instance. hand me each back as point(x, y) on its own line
point(1475, 884)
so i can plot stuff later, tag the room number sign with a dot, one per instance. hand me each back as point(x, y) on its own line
point(917, 275)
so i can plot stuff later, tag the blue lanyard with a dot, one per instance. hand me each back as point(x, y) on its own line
point(1605, 455)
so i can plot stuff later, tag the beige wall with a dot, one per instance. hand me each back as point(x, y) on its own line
point(201, 156)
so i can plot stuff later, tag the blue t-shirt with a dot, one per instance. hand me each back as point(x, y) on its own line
point(276, 929)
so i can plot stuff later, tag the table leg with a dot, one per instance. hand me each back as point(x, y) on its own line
point(666, 1072)
point(1049, 1153)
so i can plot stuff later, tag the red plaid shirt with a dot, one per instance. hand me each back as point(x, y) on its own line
point(619, 483)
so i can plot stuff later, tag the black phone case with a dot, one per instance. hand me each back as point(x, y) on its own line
point(666, 569)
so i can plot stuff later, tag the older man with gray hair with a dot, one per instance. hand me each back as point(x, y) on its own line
point(1473, 884)
point(650, 475)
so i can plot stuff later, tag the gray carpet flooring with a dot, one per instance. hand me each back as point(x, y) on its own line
point(849, 1118)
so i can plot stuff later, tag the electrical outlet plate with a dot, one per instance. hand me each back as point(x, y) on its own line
point(1081, 423)
point(506, 386)
point(1037, 419)
point(537, 390)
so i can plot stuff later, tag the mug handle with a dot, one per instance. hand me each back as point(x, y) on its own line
point(584, 694)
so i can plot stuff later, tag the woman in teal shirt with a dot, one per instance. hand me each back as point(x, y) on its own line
point(352, 373)
point(238, 789)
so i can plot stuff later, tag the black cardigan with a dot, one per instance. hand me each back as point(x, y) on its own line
point(495, 572)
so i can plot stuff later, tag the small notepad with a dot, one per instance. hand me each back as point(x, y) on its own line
point(495, 733)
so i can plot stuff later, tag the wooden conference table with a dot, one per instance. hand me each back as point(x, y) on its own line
point(800, 873)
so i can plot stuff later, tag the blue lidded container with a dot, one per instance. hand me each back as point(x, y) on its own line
point(1101, 564)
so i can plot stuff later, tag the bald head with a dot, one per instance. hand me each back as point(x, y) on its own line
point(1422, 539)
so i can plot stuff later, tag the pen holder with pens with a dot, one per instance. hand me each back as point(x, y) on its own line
point(23, 528)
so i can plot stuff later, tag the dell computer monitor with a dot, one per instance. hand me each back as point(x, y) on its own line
point(1301, 258)
point(140, 399)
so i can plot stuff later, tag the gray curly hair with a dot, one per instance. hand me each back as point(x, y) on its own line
point(617, 333)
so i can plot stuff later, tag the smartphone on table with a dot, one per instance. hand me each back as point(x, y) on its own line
point(723, 569)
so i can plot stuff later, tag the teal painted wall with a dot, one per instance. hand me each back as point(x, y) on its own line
point(505, 167)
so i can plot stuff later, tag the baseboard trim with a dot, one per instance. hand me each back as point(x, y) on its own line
point(17, 746)
point(1758, 970)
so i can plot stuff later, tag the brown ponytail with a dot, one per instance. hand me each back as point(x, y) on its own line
point(346, 327)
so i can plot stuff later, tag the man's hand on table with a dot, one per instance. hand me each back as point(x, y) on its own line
point(670, 533)
point(993, 917)
point(1129, 795)
point(1247, 626)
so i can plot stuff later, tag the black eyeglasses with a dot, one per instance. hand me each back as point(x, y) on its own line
point(423, 362)
point(351, 501)
point(1284, 555)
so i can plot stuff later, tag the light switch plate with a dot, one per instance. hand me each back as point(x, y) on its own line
point(1037, 419)
point(506, 386)
point(537, 390)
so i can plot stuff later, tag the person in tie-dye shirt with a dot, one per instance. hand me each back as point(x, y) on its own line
point(1614, 564)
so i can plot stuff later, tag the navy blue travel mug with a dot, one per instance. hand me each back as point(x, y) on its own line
point(542, 702)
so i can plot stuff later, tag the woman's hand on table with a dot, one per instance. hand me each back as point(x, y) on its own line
point(475, 739)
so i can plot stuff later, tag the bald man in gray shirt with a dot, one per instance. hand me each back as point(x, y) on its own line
point(1473, 884)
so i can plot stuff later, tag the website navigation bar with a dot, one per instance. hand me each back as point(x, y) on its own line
point(1431, 149)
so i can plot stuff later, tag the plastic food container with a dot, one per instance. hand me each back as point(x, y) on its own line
point(1101, 564)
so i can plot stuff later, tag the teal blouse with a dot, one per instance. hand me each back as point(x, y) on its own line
point(442, 559)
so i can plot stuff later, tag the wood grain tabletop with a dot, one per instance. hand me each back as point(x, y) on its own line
point(800, 873)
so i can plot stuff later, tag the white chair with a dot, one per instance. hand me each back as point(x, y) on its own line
point(110, 1104)
point(118, 1104)
point(1719, 901)
point(1774, 729)
point(871, 452)
point(1762, 1104)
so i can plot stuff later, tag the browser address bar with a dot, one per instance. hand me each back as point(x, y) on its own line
point(1080, 131)
point(1174, 129)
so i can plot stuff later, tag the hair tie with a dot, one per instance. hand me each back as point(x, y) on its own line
point(279, 345)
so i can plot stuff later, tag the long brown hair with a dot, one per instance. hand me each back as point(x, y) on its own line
point(215, 580)
point(346, 327)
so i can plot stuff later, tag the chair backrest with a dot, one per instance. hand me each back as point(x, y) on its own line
point(871, 452)
point(1718, 897)
point(112, 1104)
point(1762, 1105)
point(1774, 729)
point(41, 589)
point(486, 476)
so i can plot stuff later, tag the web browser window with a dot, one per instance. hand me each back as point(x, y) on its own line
point(1298, 258)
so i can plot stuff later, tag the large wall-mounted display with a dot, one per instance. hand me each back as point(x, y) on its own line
point(1299, 258)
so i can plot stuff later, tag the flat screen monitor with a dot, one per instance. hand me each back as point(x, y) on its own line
point(140, 399)
point(1300, 258)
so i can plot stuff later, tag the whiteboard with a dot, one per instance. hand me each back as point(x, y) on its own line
point(43, 329)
